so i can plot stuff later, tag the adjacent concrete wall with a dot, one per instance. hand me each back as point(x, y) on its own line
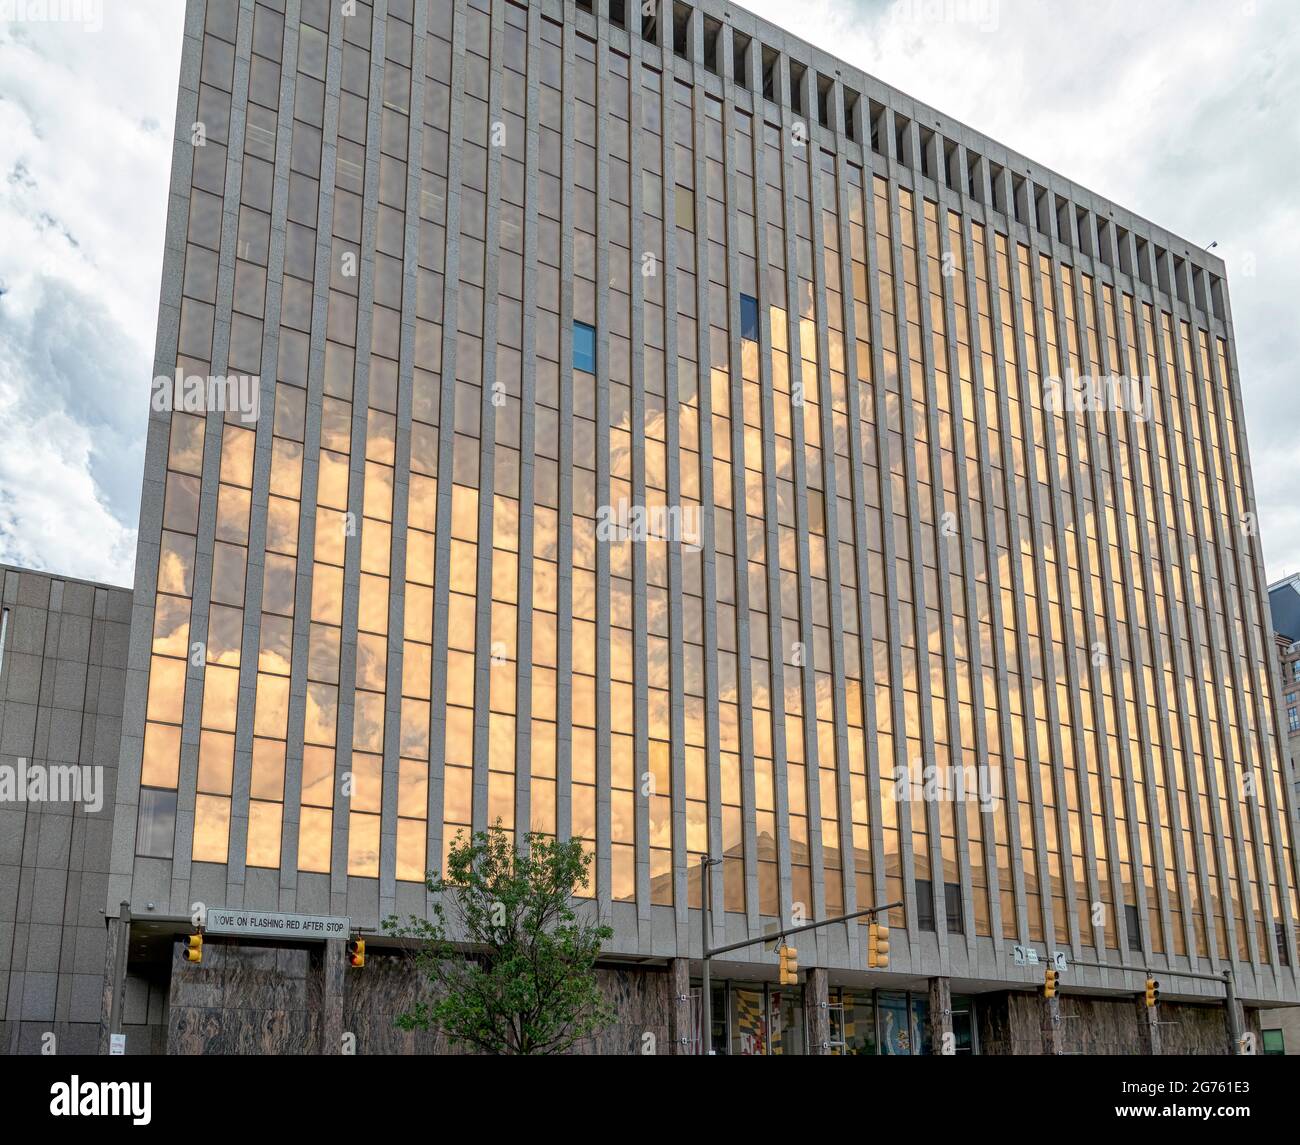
point(62, 671)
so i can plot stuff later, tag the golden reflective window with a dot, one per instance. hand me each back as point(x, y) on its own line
point(272, 716)
point(225, 635)
point(176, 564)
point(228, 567)
point(281, 525)
point(368, 722)
point(216, 762)
point(332, 528)
point(457, 795)
point(411, 841)
point(367, 781)
point(237, 456)
point(372, 658)
point(460, 679)
point(420, 547)
point(181, 503)
point(318, 776)
point(381, 431)
point(286, 468)
point(460, 737)
point(264, 834)
point(378, 498)
point(332, 481)
point(166, 689)
point(413, 787)
point(185, 451)
point(464, 567)
point(277, 645)
point(278, 584)
point(267, 779)
point(162, 755)
point(376, 540)
point(322, 713)
point(460, 624)
point(372, 604)
point(363, 846)
point(415, 729)
point(211, 829)
point(418, 615)
point(314, 831)
point(171, 626)
point(327, 594)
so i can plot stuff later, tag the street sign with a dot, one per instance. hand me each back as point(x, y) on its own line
point(1059, 961)
point(268, 924)
point(116, 1045)
point(1024, 955)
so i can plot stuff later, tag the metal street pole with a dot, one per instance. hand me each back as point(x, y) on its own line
point(706, 992)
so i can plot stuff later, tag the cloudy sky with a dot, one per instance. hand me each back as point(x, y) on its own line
point(1185, 111)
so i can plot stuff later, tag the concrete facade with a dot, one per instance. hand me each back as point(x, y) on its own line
point(501, 267)
point(424, 353)
point(62, 677)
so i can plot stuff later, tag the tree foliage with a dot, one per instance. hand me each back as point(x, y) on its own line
point(509, 961)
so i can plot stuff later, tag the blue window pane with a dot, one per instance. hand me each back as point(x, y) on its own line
point(749, 317)
point(584, 347)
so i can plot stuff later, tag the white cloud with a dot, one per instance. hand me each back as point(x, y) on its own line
point(1187, 113)
point(85, 152)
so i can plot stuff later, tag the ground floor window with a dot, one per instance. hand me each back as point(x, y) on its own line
point(755, 1019)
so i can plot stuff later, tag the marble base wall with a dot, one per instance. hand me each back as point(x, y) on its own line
point(246, 1000)
point(1014, 1023)
point(278, 1000)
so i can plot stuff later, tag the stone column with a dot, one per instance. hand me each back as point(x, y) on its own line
point(333, 969)
point(1148, 1021)
point(679, 1006)
point(113, 999)
point(816, 1008)
point(1240, 1045)
point(1052, 1031)
point(940, 1017)
point(108, 1000)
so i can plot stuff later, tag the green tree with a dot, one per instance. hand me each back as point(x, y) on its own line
point(509, 962)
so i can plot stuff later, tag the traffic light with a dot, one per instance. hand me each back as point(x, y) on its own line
point(1153, 991)
point(877, 946)
point(1051, 979)
point(356, 953)
point(789, 966)
point(193, 951)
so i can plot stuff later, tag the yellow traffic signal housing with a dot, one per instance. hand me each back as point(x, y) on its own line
point(193, 950)
point(1153, 992)
point(789, 965)
point(356, 953)
point(877, 946)
point(1051, 981)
